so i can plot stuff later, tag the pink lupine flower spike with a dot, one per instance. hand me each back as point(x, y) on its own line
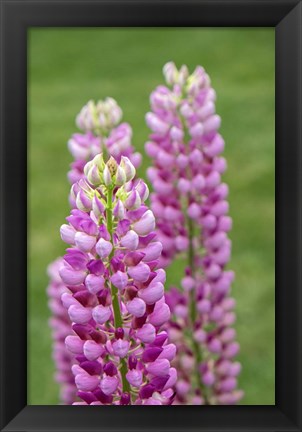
point(102, 131)
point(191, 209)
point(116, 292)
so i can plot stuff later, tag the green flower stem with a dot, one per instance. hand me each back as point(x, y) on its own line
point(118, 321)
point(195, 345)
point(191, 263)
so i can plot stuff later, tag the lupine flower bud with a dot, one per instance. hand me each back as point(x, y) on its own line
point(152, 251)
point(120, 348)
point(67, 233)
point(157, 125)
point(190, 205)
point(109, 385)
point(71, 276)
point(146, 224)
point(92, 350)
point(170, 73)
point(120, 176)
point(136, 307)
point(119, 279)
point(83, 147)
point(79, 314)
point(74, 344)
point(153, 293)
point(103, 248)
point(84, 241)
point(208, 379)
point(94, 283)
point(143, 190)
point(125, 399)
point(97, 207)
point(94, 176)
point(159, 367)
point(133, 201)
point(169, 352)
point(130, 240)
point(146, 333)
point(110, 369)
point(128, 168)
point(160, 314)
point(135, 377)
point(140, 272)
point(83, 202)
point(86, 382)
point(107, 176)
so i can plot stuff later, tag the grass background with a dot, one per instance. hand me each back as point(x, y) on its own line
point(67, 67)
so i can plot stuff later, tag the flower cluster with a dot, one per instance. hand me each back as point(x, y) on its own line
point(112, 138)
point(191, 208)
point(102, 133)
point(60, 326)
point(115, 297)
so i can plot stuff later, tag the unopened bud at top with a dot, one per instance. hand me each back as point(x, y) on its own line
point(104, 115)
point(111, 173)
point(170, 73)
point(173, 75)
point(112, 166)
point(86, 119)
point(197, 80)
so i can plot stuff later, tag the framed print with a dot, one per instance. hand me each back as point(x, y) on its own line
point(183, 171)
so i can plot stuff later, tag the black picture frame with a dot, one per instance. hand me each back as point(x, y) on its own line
point(16, 18)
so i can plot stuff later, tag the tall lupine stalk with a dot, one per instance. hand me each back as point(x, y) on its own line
point(102, 131)
point(190, 205)
point(116, 294)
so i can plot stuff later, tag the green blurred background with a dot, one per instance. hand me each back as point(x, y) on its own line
point(67, 67)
